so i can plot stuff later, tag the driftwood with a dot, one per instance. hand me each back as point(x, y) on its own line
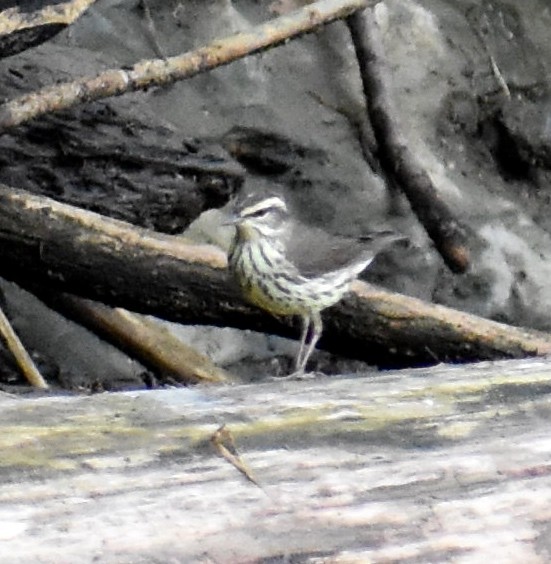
point(143, 339)
point(451, 238)
point(47, 244)
point(432, 465)
point(161, 72)
point(21, 356)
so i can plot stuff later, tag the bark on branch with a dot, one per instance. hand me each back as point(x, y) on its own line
point(45, 243)
point(161, 72)
point(451, 238)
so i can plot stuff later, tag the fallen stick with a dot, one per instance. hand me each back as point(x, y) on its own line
point(141, 338)
point(46, 243)
point(22, 357)
point(161, 72)
point(452, 239)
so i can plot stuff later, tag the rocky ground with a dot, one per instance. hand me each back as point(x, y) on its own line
point(471, 84)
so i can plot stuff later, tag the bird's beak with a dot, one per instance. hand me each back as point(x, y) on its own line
point(231, 220)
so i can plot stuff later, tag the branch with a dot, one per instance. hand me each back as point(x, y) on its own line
point(161, 72)
point(450, 237)
point(22, 357)
point(45, 243)
point(140, 337)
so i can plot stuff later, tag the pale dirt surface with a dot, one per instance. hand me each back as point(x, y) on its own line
point(453, 110)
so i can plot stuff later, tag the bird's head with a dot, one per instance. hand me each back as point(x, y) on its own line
point(256, 217)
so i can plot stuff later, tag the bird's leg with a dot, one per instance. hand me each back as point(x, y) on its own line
point(305, 326)
point(317, 327)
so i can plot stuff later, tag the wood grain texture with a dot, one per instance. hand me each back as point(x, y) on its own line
point(441, 464)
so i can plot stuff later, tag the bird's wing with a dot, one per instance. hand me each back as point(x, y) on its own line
point(314, 251)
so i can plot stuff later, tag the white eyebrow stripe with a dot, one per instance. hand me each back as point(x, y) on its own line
point(273, 202)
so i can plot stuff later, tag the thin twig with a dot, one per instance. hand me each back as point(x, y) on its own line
point(24, 361)
point(499, 77)
point(151, 30)
point(161, 72)
point(223, 442)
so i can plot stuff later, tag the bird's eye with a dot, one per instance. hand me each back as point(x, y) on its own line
point(258, 213)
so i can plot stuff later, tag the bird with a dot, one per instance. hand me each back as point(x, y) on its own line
point(290, 269)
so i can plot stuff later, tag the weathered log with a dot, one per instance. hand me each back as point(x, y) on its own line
point(430, 465)
point(43, 242)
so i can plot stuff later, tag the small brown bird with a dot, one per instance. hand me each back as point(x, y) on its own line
point(289, 269)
